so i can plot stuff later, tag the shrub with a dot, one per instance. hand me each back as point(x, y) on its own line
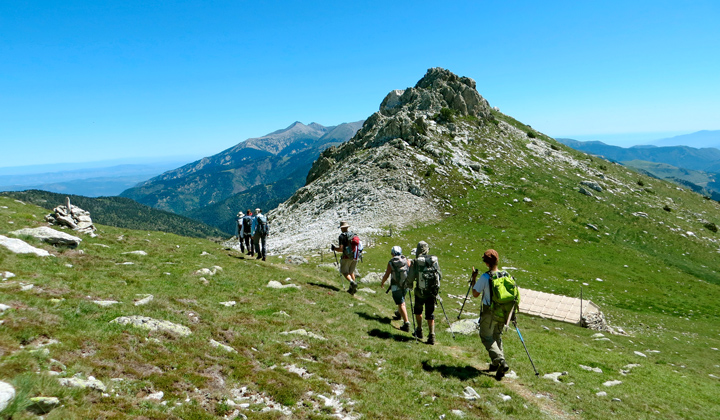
point(641, 183)
point(532, 135)
point(711, 227)
point(554, 147)
point(667, 208)
point(446, 115)
point(603, 167)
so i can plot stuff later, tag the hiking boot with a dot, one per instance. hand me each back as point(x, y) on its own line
point(431, 340)
point(492, 367)
point(258, 257)
point(396, 316)
point(263, 258)
point(502, 368)
point(418, 333)
point(353, 288)
point(405, 327)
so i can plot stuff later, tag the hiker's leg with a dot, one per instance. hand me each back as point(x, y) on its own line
point(430, 313)
point(263, 239)
point(353, 265)
point(497, 337)
point(399, 298)
point(486, 336)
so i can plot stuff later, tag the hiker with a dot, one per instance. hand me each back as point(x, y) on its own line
point(492, 317)
point(245, 232)
point(398, 268)
point(259, 234)
point(349, 246)
point(425, 273)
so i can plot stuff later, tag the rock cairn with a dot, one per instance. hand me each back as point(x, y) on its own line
point(73, 217)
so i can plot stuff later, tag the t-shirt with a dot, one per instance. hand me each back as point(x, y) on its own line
point(482, 286)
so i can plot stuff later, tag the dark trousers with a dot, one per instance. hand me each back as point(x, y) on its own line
point(426, 302)
point(246, 239)
point(259, 240)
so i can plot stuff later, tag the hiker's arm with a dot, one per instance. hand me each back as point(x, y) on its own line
point(475, 291)
point(385, 277)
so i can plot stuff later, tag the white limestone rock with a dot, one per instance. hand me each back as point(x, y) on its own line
point(19, 246)
point(277, 285)
point(43, 405)
point(304, 333)
point(7, 393)
point(49, 235)
point(217, 344)
point(465, 326)
point(152, 324)
point(78, 382)
point(144, 299)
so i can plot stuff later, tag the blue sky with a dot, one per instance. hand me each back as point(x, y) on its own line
point(87, 81)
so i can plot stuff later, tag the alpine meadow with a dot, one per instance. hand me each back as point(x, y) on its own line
point(190, 328)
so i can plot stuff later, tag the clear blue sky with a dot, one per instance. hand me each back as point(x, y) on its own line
point(85, 81)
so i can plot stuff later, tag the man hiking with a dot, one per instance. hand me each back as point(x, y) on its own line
point(425, 273)
point(398, 268)
point(493, 316)
point(245, 232)
point(260, 230)
point(349, 246)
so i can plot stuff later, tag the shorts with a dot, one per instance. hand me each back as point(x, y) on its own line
point(429, 304)
point(347, 266)
point(399, 296)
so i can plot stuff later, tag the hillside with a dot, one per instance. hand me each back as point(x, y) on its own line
point(253, 162)
point(438, 164)
point(122, 212)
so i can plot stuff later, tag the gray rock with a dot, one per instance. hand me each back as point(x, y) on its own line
point(78, 382)
point(105, 303)
point(152, 324)
point(305, 333)
point(277, 285)
point(593, 185)
point(135, 253)
point(601, 394)
point(612, 383)
point(471, 394)
point(6, 275)
point(73, 217)
point(7, 393)
point(43, 405)
point(295, 260)
point(144, 299)
point(367, 290)
point(370, 278)
point(465, 326)
point(21, 247)
point(582, 190)
point(4, 307)
point(217, 344)
point(49, 235)
point(555, 376)
point(228, 303)
point(591, 369)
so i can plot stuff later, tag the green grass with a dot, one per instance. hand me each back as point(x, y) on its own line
point(666, 298)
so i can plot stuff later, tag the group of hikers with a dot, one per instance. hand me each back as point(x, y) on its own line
point(252, 233)
point(422, 276)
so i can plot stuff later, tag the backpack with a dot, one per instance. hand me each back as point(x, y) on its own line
point(504, 293)
point(352, 246)
point(247, 224)
point(262, 225)
point(429, 274)
point(399, 271)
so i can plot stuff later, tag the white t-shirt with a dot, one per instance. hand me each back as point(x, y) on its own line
point(482, 286)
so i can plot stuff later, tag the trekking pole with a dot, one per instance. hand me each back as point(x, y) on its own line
point(412, 314)
point(526, 350)
point(439, 299)
point(338, 265)
point(466, 295)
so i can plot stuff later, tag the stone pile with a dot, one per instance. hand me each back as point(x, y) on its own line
point(73, 217)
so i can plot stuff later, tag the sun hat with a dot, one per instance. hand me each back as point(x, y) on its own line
point(344, 225)
point(396, 250)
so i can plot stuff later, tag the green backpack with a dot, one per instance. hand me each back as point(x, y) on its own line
point(504, 293)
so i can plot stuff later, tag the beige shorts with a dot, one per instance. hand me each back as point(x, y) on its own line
point(347, 266)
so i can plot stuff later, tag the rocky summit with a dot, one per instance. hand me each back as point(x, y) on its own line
point(379, 178)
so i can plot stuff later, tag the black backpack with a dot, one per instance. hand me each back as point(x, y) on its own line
point(262, 225)
point(247, 224)
point(430, 274)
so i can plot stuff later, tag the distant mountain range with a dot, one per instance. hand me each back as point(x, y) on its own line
point(258, 172)
point(698, 139)
point(697, 169)
point(93, 181)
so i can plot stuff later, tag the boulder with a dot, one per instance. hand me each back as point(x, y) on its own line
point(43, 405)
point(19, 246)
point(78, 382)
point(152, 324)
point(295, 260)
point(464, 326)
point(277, 285)
point(304, 333)
point(7, 393)
point(49, 235)
point(592, 185)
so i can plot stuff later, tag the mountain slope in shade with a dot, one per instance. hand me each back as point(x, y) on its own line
point(256, 161)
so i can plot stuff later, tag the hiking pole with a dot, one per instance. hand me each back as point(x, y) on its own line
point(526, 350)
point(412, 314)
point(439, 299)
point(466, 295)
point(338, 265)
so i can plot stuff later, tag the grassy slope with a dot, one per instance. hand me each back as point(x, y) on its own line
point(122, 212)
point(666, 297)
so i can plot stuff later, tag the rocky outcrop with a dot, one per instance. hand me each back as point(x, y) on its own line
point(50, 236)
point(19, 246)
point(73, 217)
point(381, 176)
